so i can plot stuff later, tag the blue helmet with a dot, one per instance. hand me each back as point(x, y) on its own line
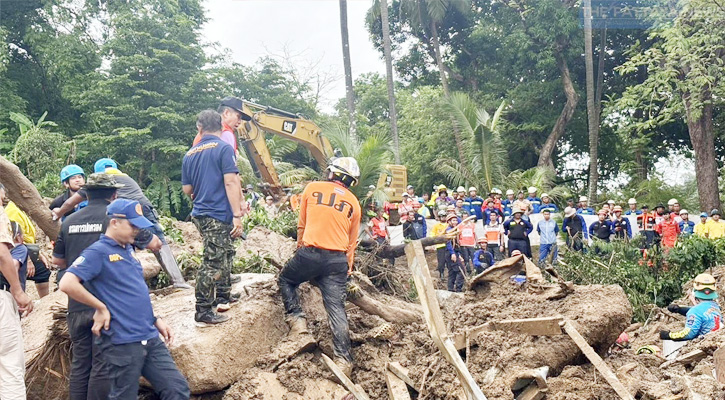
point(69, 171)
point(104, 163)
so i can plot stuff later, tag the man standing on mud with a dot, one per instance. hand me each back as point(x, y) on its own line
point(327, 234)
point(210, 176)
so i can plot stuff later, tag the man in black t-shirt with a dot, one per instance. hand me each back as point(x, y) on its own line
point(89, 374)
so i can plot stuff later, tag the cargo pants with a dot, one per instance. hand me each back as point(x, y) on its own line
point(213, 279)
point(328, 269)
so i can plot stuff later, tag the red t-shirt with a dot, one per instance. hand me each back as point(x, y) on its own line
point(468, 234)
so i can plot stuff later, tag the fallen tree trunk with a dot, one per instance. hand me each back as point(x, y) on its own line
point(23, 193)
point(388, 251)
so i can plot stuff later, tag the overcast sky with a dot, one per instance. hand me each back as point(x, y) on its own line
point(251, 29)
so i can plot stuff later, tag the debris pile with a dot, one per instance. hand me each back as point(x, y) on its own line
point(249, 358)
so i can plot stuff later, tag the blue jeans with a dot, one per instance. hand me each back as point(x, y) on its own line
point(152, 360)
point(545, 250)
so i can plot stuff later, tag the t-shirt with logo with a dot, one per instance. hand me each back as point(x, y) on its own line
point(203, 168)
point(115, 277)
point(329, 218)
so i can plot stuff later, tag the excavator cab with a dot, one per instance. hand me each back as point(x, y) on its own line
point(394, 182)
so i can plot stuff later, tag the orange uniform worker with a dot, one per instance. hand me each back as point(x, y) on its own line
point(327, 234)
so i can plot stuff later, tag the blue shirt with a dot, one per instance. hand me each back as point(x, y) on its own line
point(548, 206)
point(475, 206)
point(701, 320)
point(687, 228)
point(113, 274)
point(20, 253)
point(635, 212)
point(547, 231)
point(585, 211)
point(535, 203)
point(482, 259)
point(203, 168)
point(507, 204)
point(488, 213)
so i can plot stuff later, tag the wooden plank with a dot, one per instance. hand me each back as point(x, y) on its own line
point(402, 373)
point(688, 358)
point(532, 392)
point(544, 326)
point(719, 361)
point(597, 361)
point(434, 319)
point(397, 390)
point(357, 392)
point(459, 340)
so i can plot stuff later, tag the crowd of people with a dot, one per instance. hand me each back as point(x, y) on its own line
point(506, 224)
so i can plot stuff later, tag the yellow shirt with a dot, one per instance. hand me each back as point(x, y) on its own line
point(16, 214)
point(715, 229)
point(437, 230)
point(700, 229)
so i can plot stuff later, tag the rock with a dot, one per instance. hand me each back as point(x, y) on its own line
point(268, 245)
point(213, 358)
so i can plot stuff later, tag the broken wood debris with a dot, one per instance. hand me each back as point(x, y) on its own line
point(684, 359)
point(356, 391)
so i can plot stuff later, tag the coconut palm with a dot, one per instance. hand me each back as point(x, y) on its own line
point(483, 162)
point(349, 93)
point(542, 178)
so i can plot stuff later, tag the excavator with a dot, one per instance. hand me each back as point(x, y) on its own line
point(295, 127)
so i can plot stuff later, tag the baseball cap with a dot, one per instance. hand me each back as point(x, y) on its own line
point(103, 163)
point(237, 105)
point(130, 210)
point(704, 215)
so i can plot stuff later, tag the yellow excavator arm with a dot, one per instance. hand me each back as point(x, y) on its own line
point(303, 131)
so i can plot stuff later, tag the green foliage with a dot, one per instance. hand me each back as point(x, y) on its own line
point(176, 235)
point(656, 280)
point(252, 263)
point(285, 223)
point(39, 152)
point(168, 196)
point(544, 179)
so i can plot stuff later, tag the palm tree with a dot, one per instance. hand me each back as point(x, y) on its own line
point(372, 154)
point(389, 72)
point(483, 162)
point(349, 94)
point(542, 178)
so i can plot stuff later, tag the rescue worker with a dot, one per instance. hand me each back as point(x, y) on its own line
point(475, 203)
point(533, 200)
point(89, 374)
point(270, 207)
point(491, 212)
point(495, 237)
point(715, 227)
point(467, 241)
point(575, 228)
point(601, 229)
point(646, 222)
point(209, 175)
point(687, 227)
point(414, 227)
point(659, 213)
point(124, 321)
point(327, 234)
point(700, 227)
point(518, 229)
point(456, 273)
point(668, 230)
point(548, 229)
point(230, 109)
point(671, 205)
point(583, 209)
point(522, 204)
point(443, 200)
point(442, 257)
point(72, 177)
point(546, 204)
point(39, 272)
point(482, 258)
point(508, 203)
point(495, 198)
point(632, 207)
point(704, 317)
point(620, 225)
point(13, 301)
point(129, 189)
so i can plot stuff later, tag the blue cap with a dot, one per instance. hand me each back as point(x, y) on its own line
point(704, 215)
point(130, 210)
point(103, 163)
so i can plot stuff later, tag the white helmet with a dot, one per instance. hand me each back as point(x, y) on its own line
point(672, 202)
point(510, 191)
point(532, 189)
point(496, 190)
point(461, 189)
point(610, 201)
point(683, 211)
point(583, 198)
point(472, 189)
point(346, 169)
point(544, 195)
point(632, 201)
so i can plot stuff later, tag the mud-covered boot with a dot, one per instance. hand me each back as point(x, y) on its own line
point(297, 326)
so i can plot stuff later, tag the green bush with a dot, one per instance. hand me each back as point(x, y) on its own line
point(654, 280)
point(285, 223)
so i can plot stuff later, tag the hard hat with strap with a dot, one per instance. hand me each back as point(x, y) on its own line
point(704, 281)
point(345, 169)
point(69, 171)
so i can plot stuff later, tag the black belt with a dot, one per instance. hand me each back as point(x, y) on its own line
point(319, 250)
point(4, 286)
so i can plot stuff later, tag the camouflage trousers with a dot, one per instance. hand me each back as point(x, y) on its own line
point(213, 279)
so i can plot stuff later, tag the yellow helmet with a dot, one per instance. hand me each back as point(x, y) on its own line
point(704, 281)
